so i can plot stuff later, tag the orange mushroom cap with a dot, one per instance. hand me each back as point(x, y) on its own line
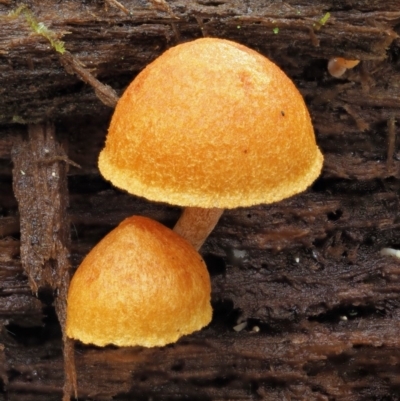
point(211, 123)
point(337, 66)
point(141, 285)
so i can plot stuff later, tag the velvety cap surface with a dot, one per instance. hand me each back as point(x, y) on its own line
point(141, 285)
point(211, 123)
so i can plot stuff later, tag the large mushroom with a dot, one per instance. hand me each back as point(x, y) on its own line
point(142, 284)
point(211, 124)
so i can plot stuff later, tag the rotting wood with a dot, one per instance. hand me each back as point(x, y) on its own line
point(335, 231)
point(115, 46)
point(391, 127)
point(104, 92)
point(40, 186)
point(307, 271)
point(219, 364)
point(117, 4)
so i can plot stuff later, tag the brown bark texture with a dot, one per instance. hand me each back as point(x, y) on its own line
point(306, 307)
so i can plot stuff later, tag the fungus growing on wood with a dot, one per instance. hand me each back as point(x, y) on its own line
point(337, 66)
point(142, 284)
point(390, 252)
point(211, 124)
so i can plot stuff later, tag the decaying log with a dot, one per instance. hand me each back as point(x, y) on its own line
point(114, 45)
point(316, 304)
point(307, 272)
point(40, 186)
point(217, 364)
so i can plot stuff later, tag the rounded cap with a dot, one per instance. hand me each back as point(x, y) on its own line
point(211, 123)
point(141, 285)
point(337, 66)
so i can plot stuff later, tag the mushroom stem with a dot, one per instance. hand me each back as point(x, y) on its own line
point(196, 223)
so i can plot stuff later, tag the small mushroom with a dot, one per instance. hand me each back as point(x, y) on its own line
point(142, 284)
point(211, 124)
point(337, 66)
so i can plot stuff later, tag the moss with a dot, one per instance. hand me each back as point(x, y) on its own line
point(39, 27)
point(322, 21)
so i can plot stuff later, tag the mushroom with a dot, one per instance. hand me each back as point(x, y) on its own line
point(337, 66)
point(211, 124)
point(142, 284)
